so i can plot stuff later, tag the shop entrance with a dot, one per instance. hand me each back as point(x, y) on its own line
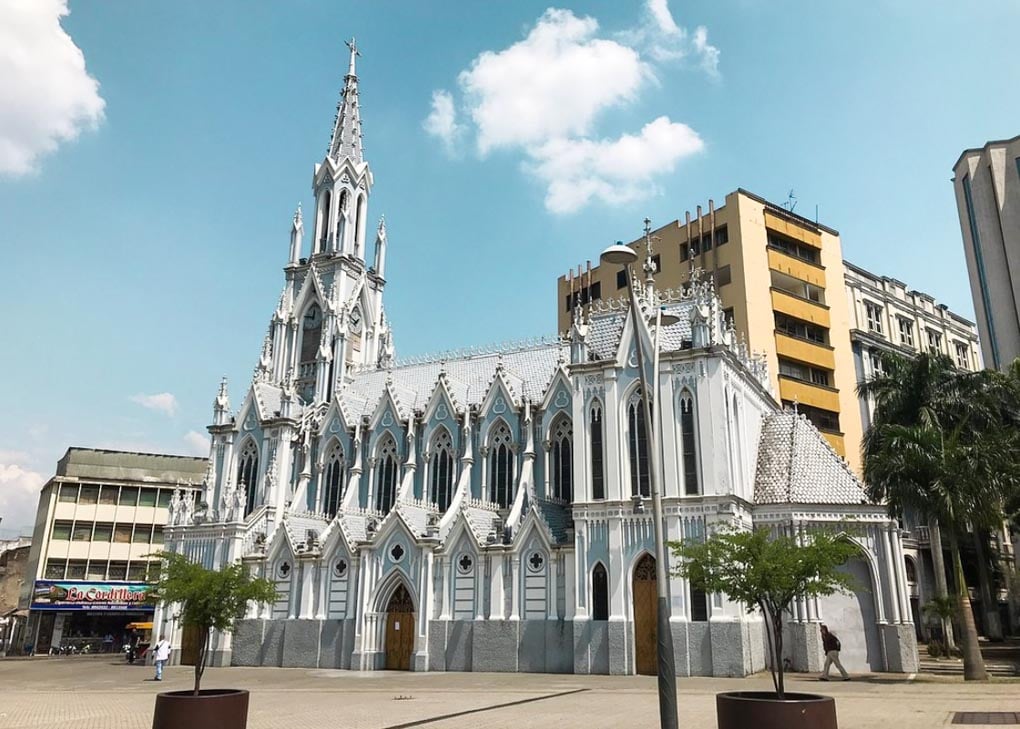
point(399, 631)
point(645, 608)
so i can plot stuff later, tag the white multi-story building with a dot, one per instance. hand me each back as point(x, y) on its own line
point(490, 510)
point(987, 185)
point(100, 520)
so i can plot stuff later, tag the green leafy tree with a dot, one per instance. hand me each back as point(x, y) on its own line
point(208, 599)
point(941, 609)
point(944, 444)
point(767, 572)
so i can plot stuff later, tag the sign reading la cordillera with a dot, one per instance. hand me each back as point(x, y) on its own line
point(74, 595)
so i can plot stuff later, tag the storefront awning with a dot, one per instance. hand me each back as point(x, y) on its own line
point(139, 626)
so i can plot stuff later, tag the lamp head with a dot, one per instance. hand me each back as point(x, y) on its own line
point(618, 254)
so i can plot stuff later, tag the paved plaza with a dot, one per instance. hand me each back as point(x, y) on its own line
point(102, 692)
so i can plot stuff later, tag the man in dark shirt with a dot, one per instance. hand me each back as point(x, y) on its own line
point(831, 646)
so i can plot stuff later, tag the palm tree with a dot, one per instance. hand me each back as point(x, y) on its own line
point(941, 445)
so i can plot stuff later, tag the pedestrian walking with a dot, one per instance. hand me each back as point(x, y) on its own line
point(831, 646)
point(161, 654)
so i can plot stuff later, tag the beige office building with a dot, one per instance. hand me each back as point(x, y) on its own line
point(987, 185)
point(780, 277)
point(100, 519)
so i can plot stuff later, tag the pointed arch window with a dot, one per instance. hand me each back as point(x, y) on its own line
point(598, 471)
point(688, 438)
point(327, 201)
point(359, 221)
point(334, 480)
point(386, 476)
point(599, 593)
point(501, 467)
point(248, 474)
point(441, 470)
point(561, 460)
point(341, 221)
point(638, 437)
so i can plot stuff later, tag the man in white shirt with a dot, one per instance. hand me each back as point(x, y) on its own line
point(161, 654)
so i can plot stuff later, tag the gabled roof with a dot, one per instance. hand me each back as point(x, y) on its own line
point(796, 465)
point(528, 370)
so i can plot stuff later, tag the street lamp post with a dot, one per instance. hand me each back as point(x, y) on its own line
point(625, 256)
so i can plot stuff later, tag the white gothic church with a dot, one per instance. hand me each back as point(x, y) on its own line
point(489, 510)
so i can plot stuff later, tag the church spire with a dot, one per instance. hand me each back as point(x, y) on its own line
point(346, 139)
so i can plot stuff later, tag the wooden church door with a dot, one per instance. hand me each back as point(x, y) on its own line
point(399, 631)
point(645, 607)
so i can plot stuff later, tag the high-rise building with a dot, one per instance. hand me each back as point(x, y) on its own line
point(100, 518)
point(987, 185)
point(780, 278)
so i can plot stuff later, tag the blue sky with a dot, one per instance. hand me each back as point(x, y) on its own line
point(145, 220)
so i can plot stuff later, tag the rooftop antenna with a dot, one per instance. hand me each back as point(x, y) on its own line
point(791, 201)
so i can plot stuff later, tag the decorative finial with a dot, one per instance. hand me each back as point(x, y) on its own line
point(297, 216)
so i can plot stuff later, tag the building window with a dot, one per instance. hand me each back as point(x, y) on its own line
point(76, 569)
point(248, 474)
point(685, 252)
point(562, 460)
point(89, 495)
point(802, 372)
point(108, 495)
point(441, 470)
point(722, 277)
point(501, 467)
point(621, 279)
point(638, 437)
point(962, 356)
point(706, 242)
point(96, 569)
point(334, 480)
point(687, 441)
point(906, 332)
point(824, 420)
point(122, 533)
point(128, 496)
point(598, 479)
point(327, 199)
point(722, 235)
point(699, 606)
point(599, 593)
point(142, 534)
point(61, 531)
point(147, 497)
point(163, 500)
point(875, 358)
point(102, 533)
point(873, 313)
point(792, 248)
point(386, 478)
point(55, 569)
point(68, 493)
point(136, 571)
point(800, 329)
point(934, 341)
point(82, 532)
point(657, 263)
point(117, 571)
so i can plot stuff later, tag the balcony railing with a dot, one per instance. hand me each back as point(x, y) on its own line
point(921, 535)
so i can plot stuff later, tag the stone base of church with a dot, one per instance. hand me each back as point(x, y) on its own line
point(731, 648)
point(900, 648)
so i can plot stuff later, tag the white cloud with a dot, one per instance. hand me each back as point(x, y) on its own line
point(19, 498)
point(442, 120)
point(544, 95)
point(661, 38)
point(163, 402)
point(551, 84)
point(615, 171)
point(46, 96)
point(197, 443)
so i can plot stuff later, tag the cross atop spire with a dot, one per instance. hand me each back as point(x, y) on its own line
point(346, 139)
point(353, 45)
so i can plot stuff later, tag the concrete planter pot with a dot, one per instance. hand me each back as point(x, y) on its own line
point(211, 709)
point(762, 710)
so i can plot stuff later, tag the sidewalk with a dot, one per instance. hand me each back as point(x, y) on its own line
point(93, 693)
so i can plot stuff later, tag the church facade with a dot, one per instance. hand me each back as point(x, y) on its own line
point(489, 510)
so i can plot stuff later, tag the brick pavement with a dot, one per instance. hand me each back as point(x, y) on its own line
point(105, 693)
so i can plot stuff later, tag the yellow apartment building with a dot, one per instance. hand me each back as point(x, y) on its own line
point(781, 280)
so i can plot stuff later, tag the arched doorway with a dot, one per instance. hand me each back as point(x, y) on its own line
point(399, 630)
point(645, 606)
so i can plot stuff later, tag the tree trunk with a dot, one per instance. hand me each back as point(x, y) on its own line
point(973, 663)
point(777, 628)
point(989, 604)
point(200, 663)
point(939, 568)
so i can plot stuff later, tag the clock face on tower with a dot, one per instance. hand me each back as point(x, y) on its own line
point(354, 321)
